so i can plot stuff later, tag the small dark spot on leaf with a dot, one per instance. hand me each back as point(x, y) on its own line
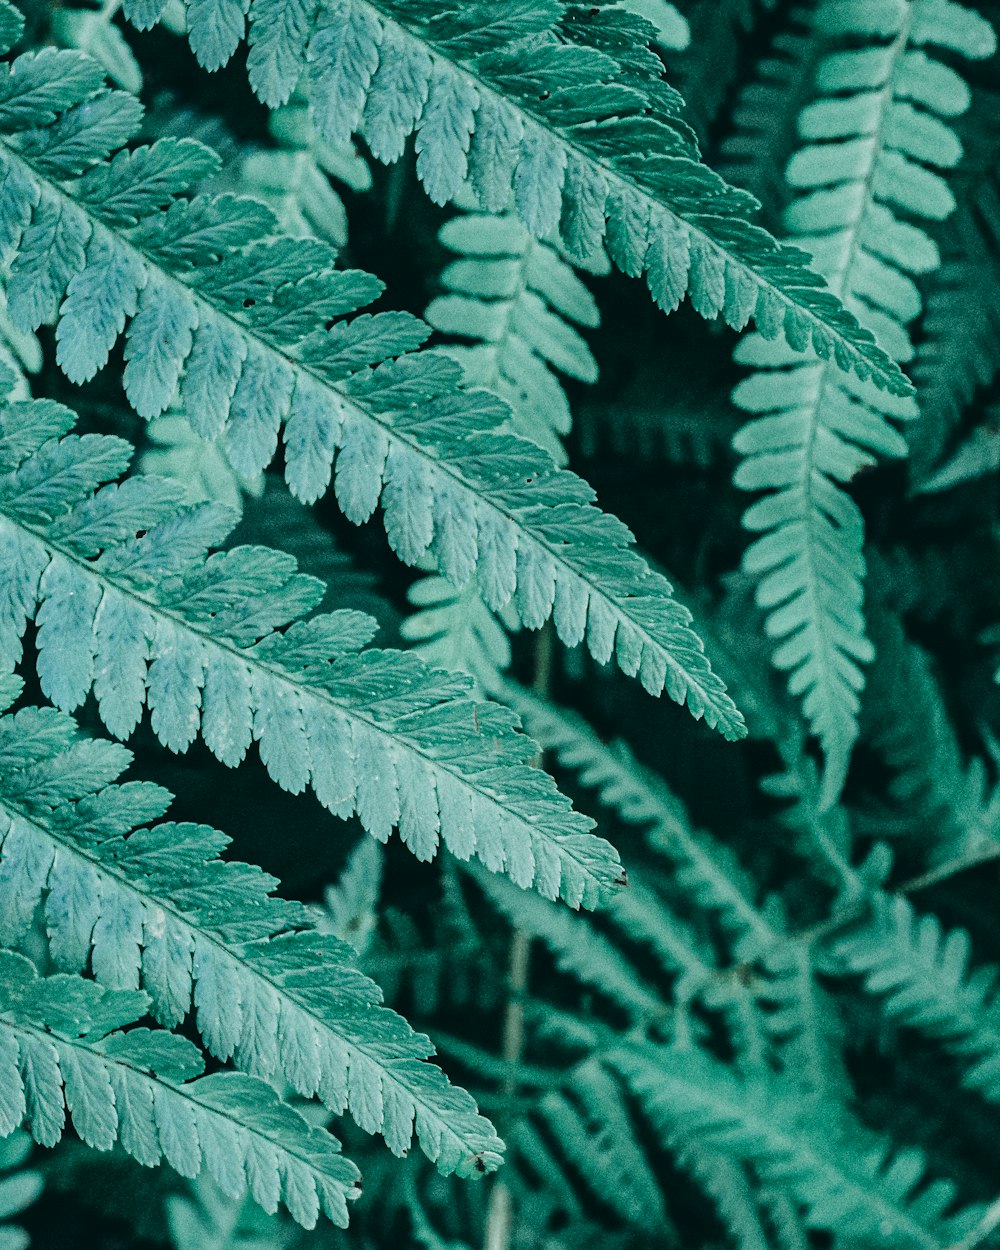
point(249, 303)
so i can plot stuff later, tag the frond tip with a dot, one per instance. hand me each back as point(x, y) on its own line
point(876, 140)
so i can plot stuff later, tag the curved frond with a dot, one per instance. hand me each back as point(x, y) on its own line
point(156, 907)
point(561, 106)
point(706, 870)
point(65, 1046)
point(876, 139)
point(217, 645)
point(257, 324)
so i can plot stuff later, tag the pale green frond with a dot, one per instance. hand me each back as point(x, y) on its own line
point(877, 140)
point(155, 907)
point(221, 646)
point(497, 92)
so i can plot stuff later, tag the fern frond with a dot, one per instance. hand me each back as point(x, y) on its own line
point(522, 302)
point(65, 1046)
point(498, 92)
point(174, 450)
point(350, 905)
point(155, 620)
point(579, 949)
point(295, 178)
point(455, 630)
point(254, 321)
point(764, 123)
point(720, 30)
point(599, 1150)
point(922, 975)
point(19, 1188)
point(875, 140)
point(976, 457)
point(93, 30)
point(846, 1179)
point(158, 908)
point(726, 1182)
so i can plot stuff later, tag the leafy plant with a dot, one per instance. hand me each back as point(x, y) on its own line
point(750, 1001)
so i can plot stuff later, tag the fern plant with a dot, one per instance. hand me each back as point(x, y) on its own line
point(317, 329)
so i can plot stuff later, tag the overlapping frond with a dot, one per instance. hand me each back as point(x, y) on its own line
point(256, 325)
point(591, 1143)
point(943, 797)
point(876, 139)
point(129, 603)
point(207, 1219)
point(65, 1046)
point(295, 177)
point(561, 106)
point(958, 351)
point(156, 907)
point(845, 1178)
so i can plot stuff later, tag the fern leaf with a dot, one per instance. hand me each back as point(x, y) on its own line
point(846, 1179)
point(152, 621)
point(497, 92)
point(945, 800)
point(65, 1046)
point(599, 1149)
point(976, 457)
point(254, 322)
point(957, 353)
point(522, 302)
point(158, 908)
point(295, 178)
point(454, 629)
point(922, 975)
point(875, 140)
point(579, 949)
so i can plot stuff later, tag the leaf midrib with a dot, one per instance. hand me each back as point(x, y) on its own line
point(481, 84)
point(183, 1089)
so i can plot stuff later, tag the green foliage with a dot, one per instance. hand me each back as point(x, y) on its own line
point(203, 285)
point(67, 1047)
point(876, 137)
point(770, 1020)
point(465, 81)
